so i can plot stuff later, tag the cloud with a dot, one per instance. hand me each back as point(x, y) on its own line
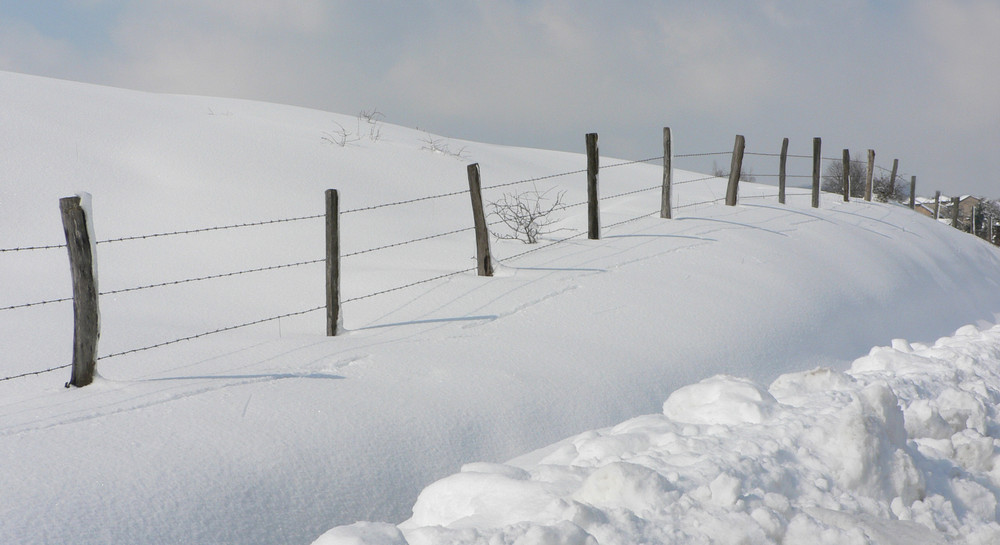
point(963, 41)
point(24, 49)
point(541, 73)
point(569, 64)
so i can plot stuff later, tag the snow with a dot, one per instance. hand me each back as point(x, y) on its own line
point(276, 433)
point(900, 449)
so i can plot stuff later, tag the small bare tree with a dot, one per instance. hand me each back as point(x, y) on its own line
point(374, 119)
point(439, 145)
point(833, 177)
point(369, 123)
point(340, 136)
point(884, 191)
point(746, 174)
point(526, 214)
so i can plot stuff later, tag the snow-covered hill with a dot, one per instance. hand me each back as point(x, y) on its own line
point(275, 433)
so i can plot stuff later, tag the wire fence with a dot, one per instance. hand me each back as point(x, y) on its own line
point(379, 248)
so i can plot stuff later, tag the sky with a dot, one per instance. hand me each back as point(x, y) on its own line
point(915, 80)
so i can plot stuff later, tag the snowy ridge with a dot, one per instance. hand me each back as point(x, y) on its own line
point(899, 450)
point(275, 433)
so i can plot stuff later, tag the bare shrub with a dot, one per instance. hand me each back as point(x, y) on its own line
point(526, 214)
point(373, 119)
point(746, 174)
point(442, 146)
point(340, 136)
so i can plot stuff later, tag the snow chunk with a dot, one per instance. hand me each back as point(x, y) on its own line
point(495, 497)
point(363, 533)
point(790, 386)
point(726, 490)
point(722, 400)
point(623, 485)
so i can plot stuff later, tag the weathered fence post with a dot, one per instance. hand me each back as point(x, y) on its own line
point(913, 192)
point(83, 263)
point(954, 212)
point(668, 175)
point(334, 320)
point(847, 175)
point(817, 143)
point(593, 206)
point(735, 170)
point(937, 205)
point(781, 171)
point(869, 175)
point(484, 264)
point(892, 180)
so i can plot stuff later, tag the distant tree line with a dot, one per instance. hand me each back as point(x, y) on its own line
point(883, 189)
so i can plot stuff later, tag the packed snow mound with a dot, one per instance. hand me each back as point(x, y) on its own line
point(902, 449)
point(720, 400)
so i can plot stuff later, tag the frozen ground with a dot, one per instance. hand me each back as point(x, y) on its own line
point(275, 433)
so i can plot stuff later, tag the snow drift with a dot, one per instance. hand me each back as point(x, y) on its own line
point(899, 450)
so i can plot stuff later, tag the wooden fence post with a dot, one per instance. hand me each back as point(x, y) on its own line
point(334, 320)
point(869, 175)
point(735, 170)
point(817, 143)
point(937, 205)
point(593, 206)
point(892, 180)
point(484, 264)
point(781, 171)
point(83, 263)
point(847, 175)
point(954, 212)
point(913, 192)
point(668, 175)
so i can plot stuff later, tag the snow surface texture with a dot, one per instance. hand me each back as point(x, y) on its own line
point(899, 450)
point(276, 433)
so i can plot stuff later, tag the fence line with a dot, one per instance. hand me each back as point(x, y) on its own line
point(391, 245)
point(419, 199)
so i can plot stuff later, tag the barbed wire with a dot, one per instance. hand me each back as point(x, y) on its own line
point(211, 277)
point(407, 201)
point(32, 373)
point(410, 285)
point(349, 211)
point(537, 179)
point(763, 154)
point(705, 178)
point(581, 233)
point(625, 163)
point(206, 229)
point(37, 303)
point(31, 248)
point(207, 333)
point(633, 192)
point(383, 247)
point(395, 244)
point(683, 155)
point(755, 175)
